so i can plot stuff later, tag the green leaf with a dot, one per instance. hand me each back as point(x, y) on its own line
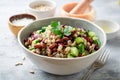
point(55, 24)
point(97, 42)
point(43, 29)
point(56, 28)
point(81, 48)
point(67, 30)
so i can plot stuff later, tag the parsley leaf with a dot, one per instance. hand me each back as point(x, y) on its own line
point(56, 28)
point(43, 29)
point(67, 30)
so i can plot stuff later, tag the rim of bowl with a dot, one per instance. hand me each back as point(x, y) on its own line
point(76, 58)
point(117, 26)
point(24, 14)
point(46, 1)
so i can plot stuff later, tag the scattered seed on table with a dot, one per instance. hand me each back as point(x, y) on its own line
point(18, 63)
point(32, 72)
point(23, 58)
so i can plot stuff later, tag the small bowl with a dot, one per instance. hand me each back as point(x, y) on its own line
point(66, 8)
point(40, 12)
point(62, 66)
point(16, 28)
point(111, 28)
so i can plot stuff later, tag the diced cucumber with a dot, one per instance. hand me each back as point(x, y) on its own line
point(70, 55)
point(91, 34)
point(39, 31)
point(81, 32)
point(95, 38)
point(74, 51)
point(81, 48)
point(31, 48)
point(97, 42)
point(78, 40)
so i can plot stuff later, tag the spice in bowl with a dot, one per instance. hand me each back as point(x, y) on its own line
point(42, 7)
point(22, 21)
point(16, 22)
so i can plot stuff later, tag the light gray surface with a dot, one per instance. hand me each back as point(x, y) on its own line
point(11, 52)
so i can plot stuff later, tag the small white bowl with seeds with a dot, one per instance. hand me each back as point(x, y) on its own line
point(42, 8)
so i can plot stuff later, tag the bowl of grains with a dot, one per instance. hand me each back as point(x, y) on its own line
point(62, 45)
point(42, 8)
point(18, 21)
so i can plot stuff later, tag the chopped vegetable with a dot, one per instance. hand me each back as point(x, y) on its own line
point(67, 30)
point(97, 42)
point(74, 51)
point(63, 41)
point(81, 48)
point(91, 34)
point(78, 40)
point(70, 55)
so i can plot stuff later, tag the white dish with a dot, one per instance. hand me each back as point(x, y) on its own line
point(62, 66)
point(111, 28)
point(42, 13)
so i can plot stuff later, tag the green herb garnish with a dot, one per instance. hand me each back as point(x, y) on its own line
point(56, 28)
point(41, 30)
point(67, 30)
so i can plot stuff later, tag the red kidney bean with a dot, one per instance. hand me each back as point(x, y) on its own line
point(30, 41)
point(54, 50)
point(59, 40)
point(52, 45)
point(65, 42)
point(90, 40)
point(96, 47)
point(42, 40)
point(65, 38)
point(38, 45)
point(87, 47)
point(43, 45)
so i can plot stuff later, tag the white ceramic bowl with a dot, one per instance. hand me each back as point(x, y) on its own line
point(62, 66)
point(111, 28)
point(39, 13)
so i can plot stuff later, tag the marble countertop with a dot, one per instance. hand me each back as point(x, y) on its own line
point(11, 52)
